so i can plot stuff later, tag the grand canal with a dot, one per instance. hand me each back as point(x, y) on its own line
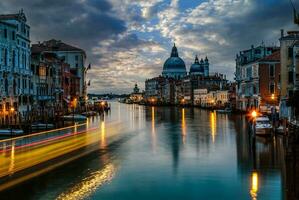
point(137, 152)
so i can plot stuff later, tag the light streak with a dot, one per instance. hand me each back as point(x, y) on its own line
point(184, 133)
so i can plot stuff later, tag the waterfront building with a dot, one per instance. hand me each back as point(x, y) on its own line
point(221, 98)
point(174, 66)
point(136, 96)
point(71, 55)
point(176, 87)
point(289, 76)
point(207, 99)
point(168, 90)
point(199, 96)
point(257, 77)
point(153, 88)
point(15, 73)
point(43, 67)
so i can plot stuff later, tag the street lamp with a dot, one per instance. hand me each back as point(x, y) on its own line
point(272, 96)
point(74, 106)
point(153, 100)
point(253, 115)
point(12, 109)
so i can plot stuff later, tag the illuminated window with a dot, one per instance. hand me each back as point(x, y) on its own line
point(42, 72)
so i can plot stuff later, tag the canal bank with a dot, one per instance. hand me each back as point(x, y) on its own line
point(168, 153)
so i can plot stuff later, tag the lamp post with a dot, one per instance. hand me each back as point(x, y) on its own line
point(12, 109)
point(183, 102)
point(152, 100)
point(74, 106)
point(253, 115)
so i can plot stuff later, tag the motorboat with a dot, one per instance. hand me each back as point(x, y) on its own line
point(263, 126)
point(74, 117)
point(226, 110)
point(41, 126)
point(9, 132)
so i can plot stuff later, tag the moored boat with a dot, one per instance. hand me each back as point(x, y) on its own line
point(75, 117)
point(263, 126)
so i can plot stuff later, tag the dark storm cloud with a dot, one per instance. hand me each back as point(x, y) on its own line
point(82, 23)
point(110, 31)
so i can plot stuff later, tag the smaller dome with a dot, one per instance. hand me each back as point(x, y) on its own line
point(196, 67)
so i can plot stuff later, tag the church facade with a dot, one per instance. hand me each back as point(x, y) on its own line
point(176, 85)
point(174, 66)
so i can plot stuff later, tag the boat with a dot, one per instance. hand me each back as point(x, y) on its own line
point(263, 126)
point(42, 126)
point(226, 110)
point(75, 117)
point(9, 132)
point(89, 113)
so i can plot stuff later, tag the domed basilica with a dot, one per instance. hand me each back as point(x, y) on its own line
point(175, 67)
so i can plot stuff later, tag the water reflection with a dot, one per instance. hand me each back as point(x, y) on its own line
point(103, 135)
point(199, 154)
point(254, 185)
point(90, 183)
point(213, 125)
point(153, 130)
point(184, 132)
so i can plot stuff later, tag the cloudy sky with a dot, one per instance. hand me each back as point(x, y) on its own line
point(127, 41)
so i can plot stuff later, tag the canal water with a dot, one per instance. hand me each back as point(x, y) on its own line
point(166, 153)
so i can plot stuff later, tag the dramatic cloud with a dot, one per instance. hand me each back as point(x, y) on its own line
point(127, 41)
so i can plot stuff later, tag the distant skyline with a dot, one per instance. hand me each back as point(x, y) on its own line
point(128, 41)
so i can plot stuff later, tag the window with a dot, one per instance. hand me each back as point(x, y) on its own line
point(248, 72)
point(290, 93)
point(291, 77)
point(290, 52)
point(271, 88)
point(257, 51)
point(13, 35)
point(13, 58)
point(271, 70)
point(5, 33)
point(42, 72)
point(5, 57)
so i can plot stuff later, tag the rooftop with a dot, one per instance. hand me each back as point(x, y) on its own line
point(273, 57)
point(53, 45)
point(20, 16)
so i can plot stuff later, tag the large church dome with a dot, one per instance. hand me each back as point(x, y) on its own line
point(174, 66)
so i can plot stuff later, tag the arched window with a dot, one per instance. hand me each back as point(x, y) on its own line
point(6, 86)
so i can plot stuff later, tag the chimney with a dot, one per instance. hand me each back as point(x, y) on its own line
point(282, 33)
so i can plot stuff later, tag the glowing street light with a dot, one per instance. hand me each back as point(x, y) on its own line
point(12, 109)
point(272, 96)
point(254, 114)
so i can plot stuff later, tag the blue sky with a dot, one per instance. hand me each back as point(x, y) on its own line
point(128, 41)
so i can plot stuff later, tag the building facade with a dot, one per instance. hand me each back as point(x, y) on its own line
point(289, 76)
point(253, 68)
point(15, 73)
point(71, 55)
